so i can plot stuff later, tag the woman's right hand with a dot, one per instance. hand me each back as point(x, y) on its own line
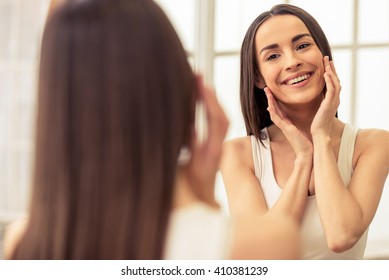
point(205, 154)
point(298, 140)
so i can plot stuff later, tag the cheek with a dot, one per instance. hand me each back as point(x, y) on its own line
point(269, 75)
point(317, 59)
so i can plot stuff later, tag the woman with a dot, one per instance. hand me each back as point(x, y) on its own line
point(113, 176)
point(298, 157)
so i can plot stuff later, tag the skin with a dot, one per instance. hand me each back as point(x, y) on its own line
point(195, 184)
point(195, 181)
point(54, 4)
point(305, 139)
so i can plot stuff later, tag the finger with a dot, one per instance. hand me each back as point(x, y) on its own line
point(270, 98)
point(329, 67)
point(333, 67)
point(275, 111)
point(273, 105)
point(333, 93)
point(333, 70)
point(208, 98)
point(217, 122)
point(333, 80)
point(331, 99)
point(329, 83)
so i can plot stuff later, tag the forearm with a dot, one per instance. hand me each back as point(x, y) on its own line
point(294, 194)
point(340, 213)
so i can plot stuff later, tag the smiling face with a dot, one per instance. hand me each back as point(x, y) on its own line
point(289, 61)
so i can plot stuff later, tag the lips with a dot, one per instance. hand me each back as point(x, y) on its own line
point(297, 78)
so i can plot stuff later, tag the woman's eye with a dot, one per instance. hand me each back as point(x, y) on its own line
point(303, 46)
point(272, 56)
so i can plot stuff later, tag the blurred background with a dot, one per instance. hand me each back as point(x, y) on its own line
point(212, 32)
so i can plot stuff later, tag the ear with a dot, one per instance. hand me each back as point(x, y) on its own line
point(260, 83)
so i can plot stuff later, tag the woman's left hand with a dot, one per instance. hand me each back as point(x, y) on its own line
point(298, 140)
point(205, 155)
point(321, 123)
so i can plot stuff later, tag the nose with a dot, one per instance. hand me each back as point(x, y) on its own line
point(292, 61)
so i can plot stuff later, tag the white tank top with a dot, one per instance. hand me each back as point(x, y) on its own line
point(198, 232)
point(313, 237)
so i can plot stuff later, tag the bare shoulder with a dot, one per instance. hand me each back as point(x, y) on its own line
point(237, 150)
point(242, 186)
point(368, 137)
point(265, 237)
point(372, 144)
point(13, 235)
point(372, 139)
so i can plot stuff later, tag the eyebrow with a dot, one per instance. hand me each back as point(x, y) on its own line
point(294, 39)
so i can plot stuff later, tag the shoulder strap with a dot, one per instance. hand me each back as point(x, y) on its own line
point(346, 152)
point(260, 153)
point(256, 156)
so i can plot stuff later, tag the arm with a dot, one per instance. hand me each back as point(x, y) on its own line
point(13, 235)
point(200, 170)
point(243, 188)
point(346, 211)
point(265, 238)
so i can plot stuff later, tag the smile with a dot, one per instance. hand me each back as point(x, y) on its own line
point(298, 79)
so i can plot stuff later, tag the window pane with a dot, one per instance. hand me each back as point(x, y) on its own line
point(373, 21)
point(21, 23)
point(5, 30)
point(342, 61)
point(372, 111)
point(336, 22)
point(233, 19)
point(227, 89)
point(378, 239)
point(182, 15)
point(5, 170)
point(226, 79)
point(372, 108)
point(4, 107)
point(23, 116)
point(29, 29)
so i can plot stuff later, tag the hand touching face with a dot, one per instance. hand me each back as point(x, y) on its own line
point(328, 107)
point(289, 60)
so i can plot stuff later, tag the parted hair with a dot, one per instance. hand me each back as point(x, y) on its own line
point(116, 103)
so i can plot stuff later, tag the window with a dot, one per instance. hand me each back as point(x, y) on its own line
point(212, 32)
point(21, 24)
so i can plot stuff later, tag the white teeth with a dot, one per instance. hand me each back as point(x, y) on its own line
point(298, 79)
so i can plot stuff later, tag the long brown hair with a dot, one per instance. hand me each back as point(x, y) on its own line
point(253, 99)
point(116, 103)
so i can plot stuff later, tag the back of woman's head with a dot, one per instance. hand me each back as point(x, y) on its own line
point(115, 105)
point(253, 99)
